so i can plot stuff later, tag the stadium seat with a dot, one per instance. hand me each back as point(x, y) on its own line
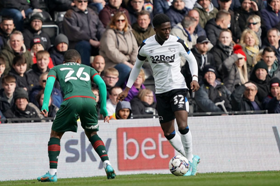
point(51, 29)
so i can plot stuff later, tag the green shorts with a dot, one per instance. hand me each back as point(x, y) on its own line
point(73, 109)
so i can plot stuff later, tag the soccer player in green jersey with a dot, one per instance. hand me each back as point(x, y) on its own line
point(79, 102)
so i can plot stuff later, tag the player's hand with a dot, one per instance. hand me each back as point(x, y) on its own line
point(44, 113)
point(123, 94)
point(194, 86)
point(106, 119)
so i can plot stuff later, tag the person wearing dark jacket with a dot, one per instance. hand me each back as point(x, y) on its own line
point(160, 6)
point(58, 5)
point(269, 57)
point(272, 101)
point(22, 108)
point(6, 28)
point(215, 26)
point(202, 56)
point(109, 11)
point(261, 78)
point(222, 51)
point(274, 41)
point(60, 47)
point(212, 96)
point(83, 28)
point(144, 105)
point(234, 25)
point(123, 110)
point(18, 10)
point(7, 92)
point(35, 29)
point(271, 14)
point(134, 7)
point(244, 98)
point(177, 12)
point(246, 9)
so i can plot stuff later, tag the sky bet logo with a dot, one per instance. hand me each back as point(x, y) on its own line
point(79, 152)
point(162, 59)
point(143, 148)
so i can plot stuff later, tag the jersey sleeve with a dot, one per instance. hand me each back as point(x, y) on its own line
point(52, 73)
point(141, 57)
point(188, 55)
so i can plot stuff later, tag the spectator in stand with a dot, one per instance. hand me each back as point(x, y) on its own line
point(110, 10)
point(273, 67)
point(273, 36)
point(134, 7)
point(272, 101)
point(233, 6)
point(198, 29)
point(202, 56)
point(110, 77)
point(250, 43)
point(59, 5)
point(271, 14)
point(22, 109)
point(119, 47)
point(234, 24)
point(247, 9)
point(143, 28)
point(2, 69)
point(177, 12)
point(57, 51)
point(83, 29)
point(18, 10)
point(35, 29)
point(185, 31)
point(212, 96)
point(221, 51)
point(23, 79)
point(123, 110)
point(160, 6)
point(52, 107)
point(15, 47)
point(95, 91)
point(98, 64)
point(43, 59)
point(215, 26)
point(206, 11)
point(244, 98)
point(144, 105)
point(260, 77)
point(97, 4)
point(7, 92)
point(254, 23)
point(137, 86)
point(235, 68)
point(6, 28)
point(36, 46)
point(112, 101)
point(56, 95)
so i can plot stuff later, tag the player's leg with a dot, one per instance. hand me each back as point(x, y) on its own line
point(53, 152)
point(100, 149)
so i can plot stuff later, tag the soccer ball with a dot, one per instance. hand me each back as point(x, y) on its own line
point(179, 165)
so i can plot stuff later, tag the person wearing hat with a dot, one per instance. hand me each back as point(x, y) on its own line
point(212, 96)
point(260, 77)
point(247, 9)
point(272, 101)
point(35, 29)
point(57, 51)
point(202, 56)
point(244, 98)
point(176, 12)
point(235, 68)
point(22, 108)
point(215, 26)
point(36, 46)
point(206, 11)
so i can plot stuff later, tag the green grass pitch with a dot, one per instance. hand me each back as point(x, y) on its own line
point(268, 178)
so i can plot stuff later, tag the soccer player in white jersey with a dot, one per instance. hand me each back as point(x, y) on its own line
point(163, 52)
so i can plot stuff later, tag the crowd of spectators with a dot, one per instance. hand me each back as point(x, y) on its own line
point(236, 44)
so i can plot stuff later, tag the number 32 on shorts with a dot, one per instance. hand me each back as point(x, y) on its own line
point(180, 101)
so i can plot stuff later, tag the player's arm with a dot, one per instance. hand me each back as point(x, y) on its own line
point(47, 94)
point(184, 51)
point(134, 73)
point(103, 93)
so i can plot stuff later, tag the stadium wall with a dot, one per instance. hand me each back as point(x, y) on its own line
point(224, 143)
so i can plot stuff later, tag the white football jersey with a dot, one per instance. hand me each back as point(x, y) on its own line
point(165, 62)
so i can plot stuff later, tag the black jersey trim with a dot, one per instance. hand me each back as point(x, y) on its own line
point(141, 58)
point(184, 45)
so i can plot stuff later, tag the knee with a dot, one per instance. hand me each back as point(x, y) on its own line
point(55, 134)
point(89, 134)
point(169, 135)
